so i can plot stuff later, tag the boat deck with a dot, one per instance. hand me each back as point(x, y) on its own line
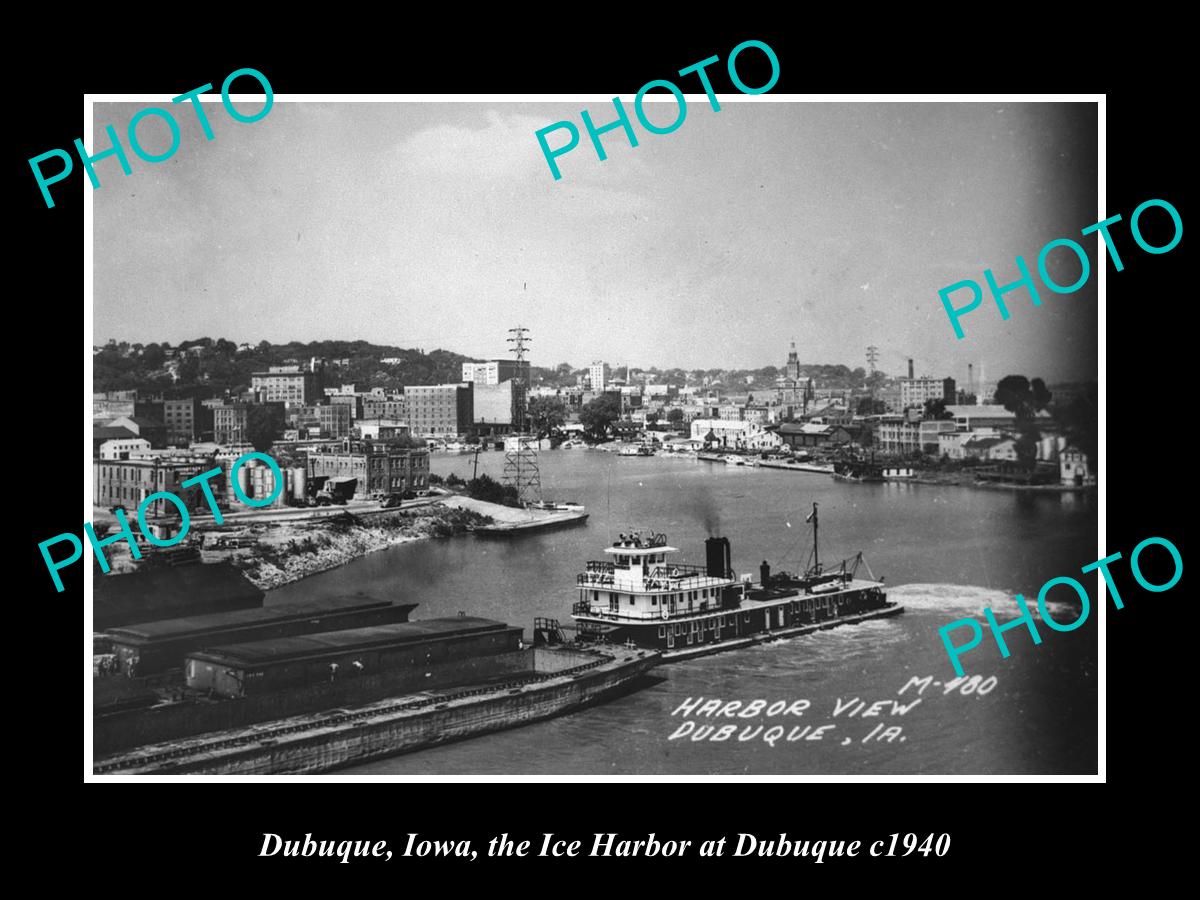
point(892, 609)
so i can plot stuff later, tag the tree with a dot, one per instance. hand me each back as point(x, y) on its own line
point(598, 416)
point(547, 415)
point(875, 380)
point(1026, 447)
point(153, 357)
point(675, 416)
point(1024, 399)
point(491, 491)
point(264, 422)
point(1078, 420)
point(870, 407)
point(935, 408)
point(1021, 397)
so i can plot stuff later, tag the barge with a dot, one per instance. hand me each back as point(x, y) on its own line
point(485, 692)
point(561, 519)
point(558, 681)
point(639, 597)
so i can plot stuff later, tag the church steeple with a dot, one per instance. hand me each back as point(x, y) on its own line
point(792, 369)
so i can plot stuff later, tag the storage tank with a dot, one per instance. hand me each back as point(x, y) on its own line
point(299, 483)
point(1062, 442)
point(243, 480)
point(1047, 448)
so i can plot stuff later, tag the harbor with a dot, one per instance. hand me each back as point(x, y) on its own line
point(978, 561)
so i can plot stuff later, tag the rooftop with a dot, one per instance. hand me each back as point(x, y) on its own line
point(985, 410)
point(154, 593)
point(171, 629)
point(334, 643)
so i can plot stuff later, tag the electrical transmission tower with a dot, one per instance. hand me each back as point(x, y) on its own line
point(872, 357)
point(520, 337)
point(521, 455)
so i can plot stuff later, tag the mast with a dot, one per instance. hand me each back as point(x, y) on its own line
point(812, 517)
point(816, 553)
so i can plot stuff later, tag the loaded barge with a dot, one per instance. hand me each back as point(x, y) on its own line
point(639, 597)
point(307, 703)
point(554, 680)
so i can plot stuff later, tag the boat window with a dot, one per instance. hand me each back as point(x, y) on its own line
point(653, 600)
point(631, 599)
point(662, 630)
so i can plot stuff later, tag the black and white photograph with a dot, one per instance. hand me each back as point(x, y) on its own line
point(501, 436)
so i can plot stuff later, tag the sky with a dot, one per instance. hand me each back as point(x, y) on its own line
point(440, 225)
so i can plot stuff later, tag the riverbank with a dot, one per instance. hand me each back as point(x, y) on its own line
point(966, 479)
point(289, 552)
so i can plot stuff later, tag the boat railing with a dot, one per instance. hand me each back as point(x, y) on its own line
point(680, 610)
point(594, 578)
point(677, 570)
point(599, 565)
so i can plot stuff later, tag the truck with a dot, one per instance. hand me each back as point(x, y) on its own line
point(328, 491)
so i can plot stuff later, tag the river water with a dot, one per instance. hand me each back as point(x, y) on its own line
point(945, 552)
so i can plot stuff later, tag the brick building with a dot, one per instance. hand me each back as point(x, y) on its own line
point(381, 469)
point(440, 409)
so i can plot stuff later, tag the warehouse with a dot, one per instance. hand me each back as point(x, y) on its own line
point(152, 647)
point(264, 666)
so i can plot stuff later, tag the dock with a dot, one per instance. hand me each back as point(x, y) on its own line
point(540, 523)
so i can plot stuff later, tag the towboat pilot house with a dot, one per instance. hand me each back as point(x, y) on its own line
point(640, 594)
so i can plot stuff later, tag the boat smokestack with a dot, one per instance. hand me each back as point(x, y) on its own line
point(716, 550)
point(910, 368)
point(764, 572)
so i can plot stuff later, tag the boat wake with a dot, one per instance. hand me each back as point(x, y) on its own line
point(973, 600)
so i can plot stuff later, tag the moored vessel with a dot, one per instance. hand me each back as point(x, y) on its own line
point(333, 721)
point(640, 596)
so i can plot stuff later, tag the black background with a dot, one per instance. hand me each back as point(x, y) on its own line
point(181, 835)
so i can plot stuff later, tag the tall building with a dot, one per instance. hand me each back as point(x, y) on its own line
point(495, 371)
point(439, 410)
point(915, 391)
point(791, 370)
point(287, 384)
point(496, 406)
point(393, 409)
point(327, 420)
point(380, 469)
point(230, 420)
point(598, 375)
point(186, 420)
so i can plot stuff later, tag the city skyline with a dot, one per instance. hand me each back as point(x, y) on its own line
point(919, 372)
point(835, 223)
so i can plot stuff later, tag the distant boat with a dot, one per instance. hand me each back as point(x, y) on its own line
point(635, 450)
point(858, 471)
point(556, 506)
point(812, 467)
